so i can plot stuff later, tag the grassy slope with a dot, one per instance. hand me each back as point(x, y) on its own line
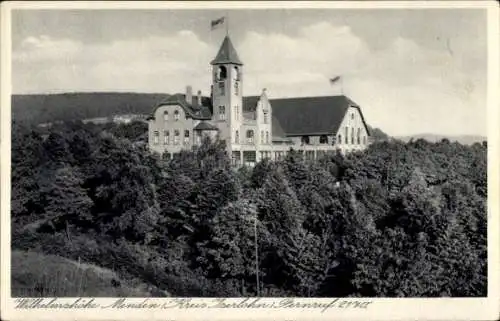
point(37, 275)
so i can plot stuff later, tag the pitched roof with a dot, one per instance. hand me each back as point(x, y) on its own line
point(193, 109)
point(227, 54)
point(306, 115)
point(205, 126)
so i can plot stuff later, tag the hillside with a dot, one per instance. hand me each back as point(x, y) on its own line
point(35, 274)
point(42, 108)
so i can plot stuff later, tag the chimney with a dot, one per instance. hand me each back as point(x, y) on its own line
point(199, 97)
point(189, 94)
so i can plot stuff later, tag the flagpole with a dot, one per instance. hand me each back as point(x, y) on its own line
point(227, 23)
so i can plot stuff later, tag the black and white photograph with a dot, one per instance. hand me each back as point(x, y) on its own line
point(239, 152)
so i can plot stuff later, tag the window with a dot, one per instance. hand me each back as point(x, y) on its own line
point(176, 137)
point(236, 113)
point(237, 137)
point(236, 158)
point(165, 116)
point(221, 73)
point(262, 137)
point(266, 118)
point(250, 136)
point(346, 134)
point(305, 140)
point(358, 136)
point(186, 137)
point(323, 139)
point(352, 135)
point(364, 140)
point(236, 73)
point(236, 88)
point(352, 115)
point(176, 115)
point(249, 157)
point(340, 139)
point(156, 138)
point(267, 137)
point(222, 112)
point(222, 88)
point(166, 137)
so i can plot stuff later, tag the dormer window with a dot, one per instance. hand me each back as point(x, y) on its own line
point(305, 140)
point(323, 139)
point(165, 115)
point(176, 115)
point(222, 112)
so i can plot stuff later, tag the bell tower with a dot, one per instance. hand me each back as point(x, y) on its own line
point(227, 97)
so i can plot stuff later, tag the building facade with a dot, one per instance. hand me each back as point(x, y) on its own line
point(255, 127)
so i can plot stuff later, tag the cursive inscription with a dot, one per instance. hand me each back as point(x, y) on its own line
point(189, 303)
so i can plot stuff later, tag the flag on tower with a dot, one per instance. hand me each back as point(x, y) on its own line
point(334, 79)
point(215, 23)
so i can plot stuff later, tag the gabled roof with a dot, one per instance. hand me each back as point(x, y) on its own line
point(306, 115)
point(227, 54)
point(193, 109)
point(205, 126)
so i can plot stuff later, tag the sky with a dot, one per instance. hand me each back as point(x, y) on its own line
point(412, 71)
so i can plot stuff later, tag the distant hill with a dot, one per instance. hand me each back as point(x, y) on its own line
point(377, 134)
point(43, 108)
point(462, 139)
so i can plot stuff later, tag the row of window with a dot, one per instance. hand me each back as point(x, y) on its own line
point(264, 137)
point(354, 139)
point(222, 112)
point(166, 137)
point(222, 88)
point(324, 138)
point(176, 115)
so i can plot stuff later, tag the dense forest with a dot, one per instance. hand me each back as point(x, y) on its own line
point(396, 220)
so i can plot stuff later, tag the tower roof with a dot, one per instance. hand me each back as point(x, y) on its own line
point(227, 54)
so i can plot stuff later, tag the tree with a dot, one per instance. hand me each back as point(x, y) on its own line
point(67, 202)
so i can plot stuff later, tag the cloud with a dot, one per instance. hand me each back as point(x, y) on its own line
point(403, 88)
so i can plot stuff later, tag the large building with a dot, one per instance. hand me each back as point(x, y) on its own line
point(255, 127)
